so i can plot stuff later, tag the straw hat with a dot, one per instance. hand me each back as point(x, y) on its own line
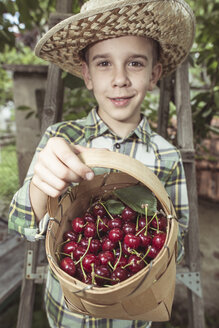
point(170, 22)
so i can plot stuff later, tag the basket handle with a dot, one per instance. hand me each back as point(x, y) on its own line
point(124, 163)
point(112, 160)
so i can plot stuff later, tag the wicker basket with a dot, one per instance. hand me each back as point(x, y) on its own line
point(147, 295)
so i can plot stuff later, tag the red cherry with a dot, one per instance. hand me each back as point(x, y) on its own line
point(84, 242)
point(67, 265)
point(103, 225)
point(88, 260)
point(98, 210)
point(159, 240)
point(122, 261)
point(87, 279)
point(153, 252)
point(79, 273)
point(115, 223)
point(135, 263)
point(90, 230)
point(141, 223)
point(128, 214)
point(132, 241)
point(145, 239)
point(79, 252)
point(129, 227)
point(88, 217)
point(69, 247)
point(119, 275)
point(160, 223)
point(70, 235)
point(101, 273)
point(126, 249)
point(108, 245)
point(95, 246)
point(116, 235)
point(78, 224)
point(106, 257)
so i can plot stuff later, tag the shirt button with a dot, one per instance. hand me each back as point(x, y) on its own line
point(117, 145)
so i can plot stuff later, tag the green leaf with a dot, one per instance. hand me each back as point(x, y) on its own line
point(114, 206)
point(23, 107)
point(29, 115)
point(136, 196)
point(213, 129)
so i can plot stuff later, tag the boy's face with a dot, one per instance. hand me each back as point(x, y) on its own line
point(120, 72)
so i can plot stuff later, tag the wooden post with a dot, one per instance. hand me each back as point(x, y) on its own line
point(166, 91)
point(52, 113)
point(27, 296)
point(185, 143)
point(54, 95)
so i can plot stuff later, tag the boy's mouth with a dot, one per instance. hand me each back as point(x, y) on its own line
point(121, 101)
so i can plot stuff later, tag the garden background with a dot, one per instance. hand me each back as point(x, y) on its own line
point(22, 22)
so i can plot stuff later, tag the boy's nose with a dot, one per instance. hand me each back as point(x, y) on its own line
point(120, 78)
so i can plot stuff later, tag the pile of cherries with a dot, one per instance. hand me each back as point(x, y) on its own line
point(104, 249)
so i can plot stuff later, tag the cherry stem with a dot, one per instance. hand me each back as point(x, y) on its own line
point(106, 210)
point(98, 234)
point(105, 278)
point(128, 264)
point(79, 238)
point(146, 219)
point(157, 223)
point(136, 228)
point(110, 265)
point(93, 274)
point(58, 253)
point(82, 269)
point(120, 254)
point(88, 245)
point(140, 231)
point(139, 255)
point(103, 222)
point(58, 248)
point(152, 218)
point(148, 250)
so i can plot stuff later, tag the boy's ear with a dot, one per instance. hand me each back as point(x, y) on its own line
point(86, 76)
point(155, 76)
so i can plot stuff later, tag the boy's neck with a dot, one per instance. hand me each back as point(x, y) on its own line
point(120, 128)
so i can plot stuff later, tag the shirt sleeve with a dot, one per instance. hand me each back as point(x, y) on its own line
point(177, 190)
point(21, 216)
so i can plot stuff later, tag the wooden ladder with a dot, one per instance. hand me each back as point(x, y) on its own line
point(52, 113)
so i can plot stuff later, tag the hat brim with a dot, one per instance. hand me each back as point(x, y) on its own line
point(170, 22)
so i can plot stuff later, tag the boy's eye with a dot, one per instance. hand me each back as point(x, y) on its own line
point(103, 63)
point(136, 64)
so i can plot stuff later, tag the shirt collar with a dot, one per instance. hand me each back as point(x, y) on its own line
point(95, 127)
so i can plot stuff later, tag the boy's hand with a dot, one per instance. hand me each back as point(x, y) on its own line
point(57, 166)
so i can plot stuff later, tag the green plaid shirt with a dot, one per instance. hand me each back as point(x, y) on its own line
point(144, 145)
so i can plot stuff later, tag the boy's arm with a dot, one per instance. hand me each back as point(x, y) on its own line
point(177, 190)
point(54, 165)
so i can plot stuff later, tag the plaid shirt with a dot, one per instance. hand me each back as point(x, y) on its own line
point(144, 145)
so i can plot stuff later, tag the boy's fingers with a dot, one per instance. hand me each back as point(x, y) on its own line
point(68, 156)
point(56, 167)
point(45, 187)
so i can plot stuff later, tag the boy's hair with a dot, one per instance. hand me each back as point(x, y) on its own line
point(170, 22)
point(84, 53)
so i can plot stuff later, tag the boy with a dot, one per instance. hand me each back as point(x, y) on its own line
point(121, 49)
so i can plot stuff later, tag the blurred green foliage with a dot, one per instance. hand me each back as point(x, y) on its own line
point(205, 72)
